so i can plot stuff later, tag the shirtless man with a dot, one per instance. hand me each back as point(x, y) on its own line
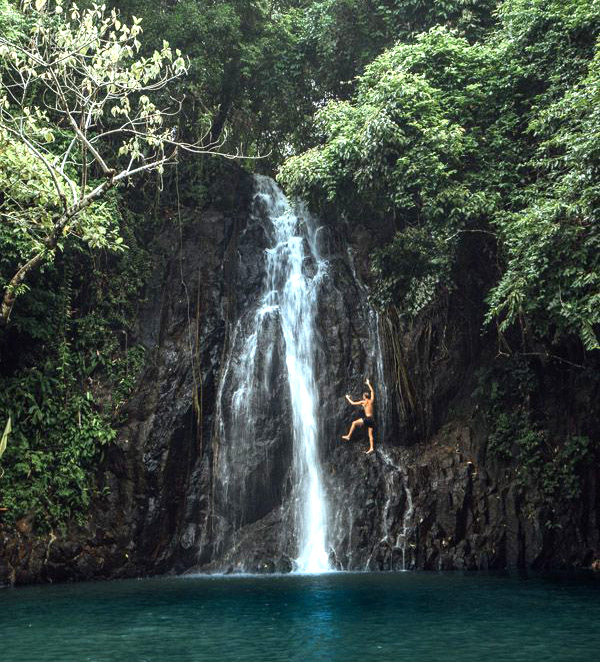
point(367, 404)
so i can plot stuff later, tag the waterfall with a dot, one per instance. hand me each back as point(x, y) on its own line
point(406, 520)
point(280, 328)
point(395, 479)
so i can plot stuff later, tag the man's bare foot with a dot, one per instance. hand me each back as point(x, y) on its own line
point(369, 451)
point(345, 437)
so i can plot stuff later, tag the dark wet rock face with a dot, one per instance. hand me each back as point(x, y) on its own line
point(256, 514)
point(431, 497)
point(437, 506)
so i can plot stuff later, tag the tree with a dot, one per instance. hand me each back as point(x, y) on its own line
point(400, 153)
point(444, 140)
point(76, 120)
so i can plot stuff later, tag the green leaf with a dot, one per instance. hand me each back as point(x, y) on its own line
point(4, 439)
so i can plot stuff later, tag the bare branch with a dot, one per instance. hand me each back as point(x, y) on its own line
point(105, 169)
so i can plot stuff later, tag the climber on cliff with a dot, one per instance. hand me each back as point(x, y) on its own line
point(367, 404)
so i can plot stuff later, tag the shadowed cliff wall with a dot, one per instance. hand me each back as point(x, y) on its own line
point(433, 496)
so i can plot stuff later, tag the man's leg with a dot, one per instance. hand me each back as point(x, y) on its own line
point(371, 442)
point(358, 423)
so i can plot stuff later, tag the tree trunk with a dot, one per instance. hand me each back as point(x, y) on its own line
point(10, 293)
point(229, 87)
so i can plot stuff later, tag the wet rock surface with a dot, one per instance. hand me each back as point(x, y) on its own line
point(439, 505)
point(431, 497)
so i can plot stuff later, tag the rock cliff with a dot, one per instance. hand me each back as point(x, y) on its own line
point(431, 497)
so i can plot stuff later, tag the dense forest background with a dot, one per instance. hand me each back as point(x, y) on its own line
point(459, 131)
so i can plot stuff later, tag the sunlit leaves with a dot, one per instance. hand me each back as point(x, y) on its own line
point(76, 74)
point(401, 151)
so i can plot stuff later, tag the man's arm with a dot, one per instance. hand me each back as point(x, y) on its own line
point(368, 383)
point(352, 401)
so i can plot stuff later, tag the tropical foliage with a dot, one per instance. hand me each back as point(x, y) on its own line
point(447, 127)
point(444, 138)
point(75, 121)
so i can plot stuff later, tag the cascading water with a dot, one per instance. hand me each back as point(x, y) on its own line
point(282, 322)
point(395, 481)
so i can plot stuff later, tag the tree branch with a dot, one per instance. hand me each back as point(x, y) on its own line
point(39, 155)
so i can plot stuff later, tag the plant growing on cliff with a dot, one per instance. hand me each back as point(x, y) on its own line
point(53, 449)
point(66, 398)
point(76, 120)
point(4, 440)
point(401, 154)
point(550, 466)
point(66, 388)
point(551, 244)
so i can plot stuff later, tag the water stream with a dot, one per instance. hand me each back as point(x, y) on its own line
point(281, 328)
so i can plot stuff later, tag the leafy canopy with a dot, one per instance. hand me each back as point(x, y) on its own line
point(445, 138)
point(76, 119)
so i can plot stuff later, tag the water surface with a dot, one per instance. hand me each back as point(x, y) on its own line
point(351, 617)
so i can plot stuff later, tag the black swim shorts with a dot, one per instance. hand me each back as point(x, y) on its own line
point(369, 421)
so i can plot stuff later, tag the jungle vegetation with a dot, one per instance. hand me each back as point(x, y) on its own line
point(435, 120)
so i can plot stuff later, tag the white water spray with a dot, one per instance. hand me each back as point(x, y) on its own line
point(288, 300)
point(296, 295)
